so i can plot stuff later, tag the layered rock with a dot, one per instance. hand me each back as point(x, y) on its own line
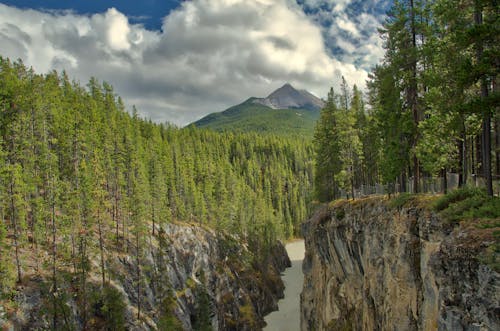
point(190, 275)
point(372, 267)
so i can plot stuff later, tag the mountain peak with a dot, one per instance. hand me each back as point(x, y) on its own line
point(287, 97)
point(287, 88)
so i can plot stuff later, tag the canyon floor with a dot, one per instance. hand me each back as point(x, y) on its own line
point(287, 318)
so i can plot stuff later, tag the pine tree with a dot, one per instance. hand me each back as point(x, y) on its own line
point(327, 148)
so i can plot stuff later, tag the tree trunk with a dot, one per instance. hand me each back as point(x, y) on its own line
point(403, 182)
point(486, 125)
point(83, 258)
point(138, 261)
point(153, 216)
point(412, 98)
point(54, 257)
point(101, 249)
point(497, 134)
point(463, 159)
point(473, 157)
point(445, 181)
point(487, 143)
point(497, 146)
point(16, 230)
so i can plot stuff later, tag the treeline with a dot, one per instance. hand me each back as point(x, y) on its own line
point(81, 178)
point(432, 103)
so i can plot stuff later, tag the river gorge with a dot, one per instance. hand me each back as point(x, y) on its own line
point(287, 317)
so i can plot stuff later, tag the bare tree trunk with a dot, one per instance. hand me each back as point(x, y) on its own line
point(153, 215)
point(412, 98)
point(445, 181)
point(497, 134)
point(101, 249)
point(463, 159)
point(486, 125)
point(54, 256)
point(497, 146)
point(138, 261)
point(16, 230)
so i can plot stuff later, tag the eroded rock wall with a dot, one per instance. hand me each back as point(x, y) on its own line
point(191, 276)
point(372, 267)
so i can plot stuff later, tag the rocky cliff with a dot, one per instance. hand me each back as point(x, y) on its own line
point(191, 278)
point(370, 266)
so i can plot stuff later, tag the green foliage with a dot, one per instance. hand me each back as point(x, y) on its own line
point(113, 308)
point(456, 196)
point(401, 200)
point(468, 204)
point(7, 276)
point(82, 180)
point(340, 213)
point(108, 308)
point(431, 97)
point(201, 320)
point(247, 316)
point(339, 151)
point(327, 149)
point(168, 321)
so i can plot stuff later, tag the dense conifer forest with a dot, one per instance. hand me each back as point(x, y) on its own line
point(432, 105)
point(81, 178)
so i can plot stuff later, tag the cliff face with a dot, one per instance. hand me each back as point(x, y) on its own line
point(191, 278)
point(372, 267)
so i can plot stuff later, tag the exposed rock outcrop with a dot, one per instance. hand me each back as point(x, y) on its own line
point(190, 275)
point(372, 267)
point(287, 97)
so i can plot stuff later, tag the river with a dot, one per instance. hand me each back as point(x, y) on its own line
point(287, 318)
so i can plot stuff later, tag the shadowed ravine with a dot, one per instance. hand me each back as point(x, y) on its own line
point(287, 318)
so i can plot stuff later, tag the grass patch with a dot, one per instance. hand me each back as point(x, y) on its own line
point(401, 200)
point(467, 204)
point(474, 205)
point(457, 195)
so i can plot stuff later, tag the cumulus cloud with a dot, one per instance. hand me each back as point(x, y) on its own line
point(209, 54)
point(349, 28)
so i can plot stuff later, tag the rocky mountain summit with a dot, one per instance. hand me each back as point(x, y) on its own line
point(287, 111)
point(287, 97)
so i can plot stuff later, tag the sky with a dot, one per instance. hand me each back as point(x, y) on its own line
point(178, 61)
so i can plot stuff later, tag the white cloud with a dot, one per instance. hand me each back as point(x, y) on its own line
point(331, 5)
point(118, 30)
point(350, 28)
point(209, 55)
point(345, 24)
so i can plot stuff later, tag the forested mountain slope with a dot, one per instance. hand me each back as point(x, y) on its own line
point(83, 182)
point(285, 112)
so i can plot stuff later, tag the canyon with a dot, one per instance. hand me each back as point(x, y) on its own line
point(195, 278)
point(373, 266)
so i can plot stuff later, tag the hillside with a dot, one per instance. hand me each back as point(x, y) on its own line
point(286, 111)
point(111, 222)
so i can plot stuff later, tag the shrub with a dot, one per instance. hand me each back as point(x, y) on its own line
point(467, 203)
point(456, 196)
point(109, 307)
point(401, 200)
